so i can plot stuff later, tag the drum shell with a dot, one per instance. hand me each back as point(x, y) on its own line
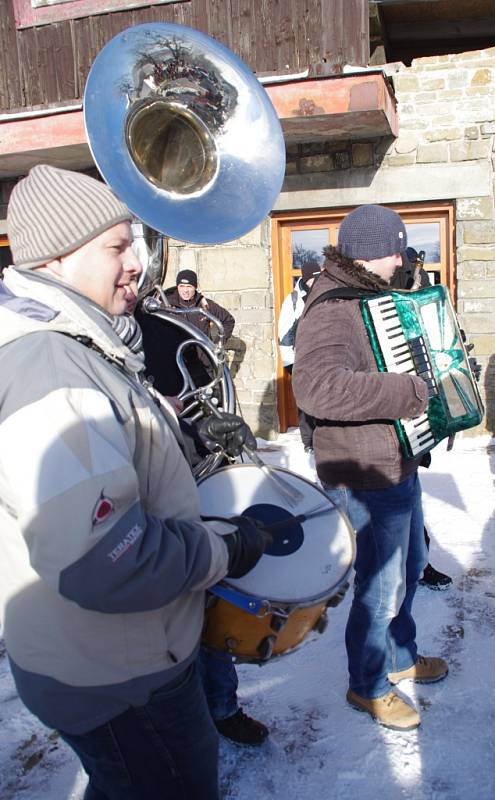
point(232, 630)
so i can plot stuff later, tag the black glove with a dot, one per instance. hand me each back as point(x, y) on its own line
point(229, 431)
point(475, 367)
point(246, 545)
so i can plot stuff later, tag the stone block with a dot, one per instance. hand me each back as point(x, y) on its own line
point(401, 161)
point(263, 368)
point(432, 153)
point(242, 267)
point(362, 154)
point(406, 143)
point(469, 253)
point(470, 208)
point(471, 132)
point(321, 163)
point(251, 238)
point(479, 232)
point(476, 289)
point(407, 83)
point(472, 270)
point(254, 316)
point(254, 298)
point(342, 159)
point(478, 306)
point(477, 323)
point(458, 79)
point(484, 344)
point(488, 128)
point(443, 134)
point(469, 151)
point(482, 77)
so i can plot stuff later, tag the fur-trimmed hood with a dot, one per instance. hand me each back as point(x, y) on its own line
point(358, 275)
point(342, 272)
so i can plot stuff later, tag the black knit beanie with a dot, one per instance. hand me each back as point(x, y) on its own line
point(371, 232)
point(187, 276)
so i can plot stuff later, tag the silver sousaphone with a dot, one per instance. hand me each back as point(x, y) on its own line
point(184, 133)
point(187, 137)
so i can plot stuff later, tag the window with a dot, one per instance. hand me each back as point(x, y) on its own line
point(298, 236)
point(42, 12)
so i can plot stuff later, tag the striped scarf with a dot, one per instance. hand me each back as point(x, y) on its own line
point(128, 330)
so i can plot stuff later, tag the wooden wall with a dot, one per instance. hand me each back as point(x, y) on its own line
point(48, 65)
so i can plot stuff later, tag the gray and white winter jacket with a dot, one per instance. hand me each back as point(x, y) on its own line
point(290, 311)
point(104, 555)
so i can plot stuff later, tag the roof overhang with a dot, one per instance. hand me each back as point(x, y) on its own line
point(58, 139)
point(357, 106)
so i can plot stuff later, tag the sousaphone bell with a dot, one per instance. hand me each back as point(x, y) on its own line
point(184, 133)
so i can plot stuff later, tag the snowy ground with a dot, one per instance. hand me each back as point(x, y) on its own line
point(319, 747)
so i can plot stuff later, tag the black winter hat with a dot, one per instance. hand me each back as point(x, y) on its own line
point(371, 232)
point(310, 269)
point(187, 276)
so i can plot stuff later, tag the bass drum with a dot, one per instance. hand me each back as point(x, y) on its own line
point(272, 609)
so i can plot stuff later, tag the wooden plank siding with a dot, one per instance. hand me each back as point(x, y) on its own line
point(48, 65)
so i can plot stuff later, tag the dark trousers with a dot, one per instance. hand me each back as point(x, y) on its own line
point(165, 750)
point(306, 423)
point(306, 427)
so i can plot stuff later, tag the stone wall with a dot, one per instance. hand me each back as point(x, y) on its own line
point(238, 276)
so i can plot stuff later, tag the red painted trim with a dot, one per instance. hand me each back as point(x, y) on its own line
point(26, 16)
point(40, 133)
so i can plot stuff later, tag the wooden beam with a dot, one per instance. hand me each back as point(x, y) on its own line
point(438, 30)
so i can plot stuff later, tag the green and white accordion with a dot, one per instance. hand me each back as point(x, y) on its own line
point(418, 333)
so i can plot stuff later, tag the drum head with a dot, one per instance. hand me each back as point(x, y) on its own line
point(308, 560)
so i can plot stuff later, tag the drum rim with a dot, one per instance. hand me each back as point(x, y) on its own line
point(312, 599)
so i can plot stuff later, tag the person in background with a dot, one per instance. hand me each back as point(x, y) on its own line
point(108, 556)
point(361, 465)
point(185, 295)
point(412, 276)
point(290, 311)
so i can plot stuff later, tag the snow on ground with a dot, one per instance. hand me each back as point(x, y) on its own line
point(319, 747)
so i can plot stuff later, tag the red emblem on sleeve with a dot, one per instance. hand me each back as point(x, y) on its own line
point(103, 509)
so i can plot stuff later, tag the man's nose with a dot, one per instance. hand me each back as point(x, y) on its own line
point(132, 263)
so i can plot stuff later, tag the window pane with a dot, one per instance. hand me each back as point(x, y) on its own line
point(425, 236)
point(308, 244)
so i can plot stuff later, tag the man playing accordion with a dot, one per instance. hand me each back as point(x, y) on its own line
point(361, 465)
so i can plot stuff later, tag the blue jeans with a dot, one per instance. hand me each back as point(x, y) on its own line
point(165, 749)
point(220, 682)
point(391, 555)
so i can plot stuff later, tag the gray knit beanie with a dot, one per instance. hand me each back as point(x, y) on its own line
point(52, 212)
point(371, 232)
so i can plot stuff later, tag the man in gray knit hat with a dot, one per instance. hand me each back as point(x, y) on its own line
point(360, 463)
point(108, 558)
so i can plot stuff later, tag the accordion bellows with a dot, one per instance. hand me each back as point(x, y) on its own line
point(418, 333)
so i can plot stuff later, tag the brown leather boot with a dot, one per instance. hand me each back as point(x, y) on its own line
point(427, 669)
point(389, 710)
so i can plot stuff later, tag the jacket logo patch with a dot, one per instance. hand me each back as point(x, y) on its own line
point(126, 543)
point(103, 509)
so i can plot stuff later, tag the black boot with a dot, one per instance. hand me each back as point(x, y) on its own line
point(434, 579)
point(242, 729)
